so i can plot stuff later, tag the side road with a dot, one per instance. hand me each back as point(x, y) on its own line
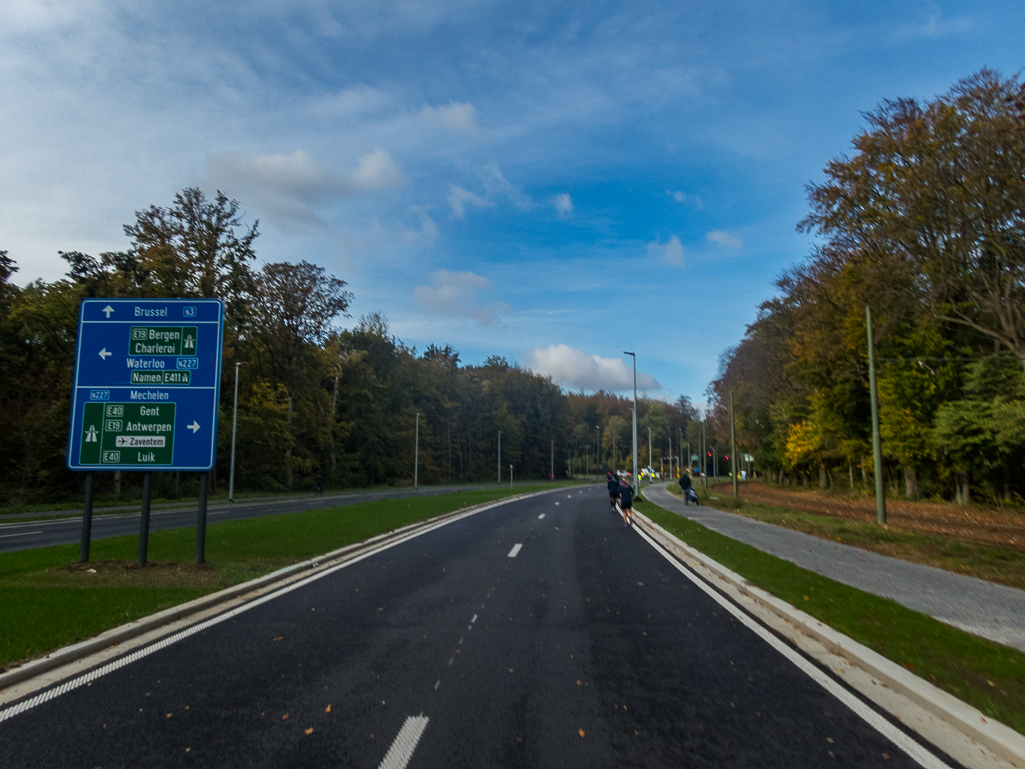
point(994, 612)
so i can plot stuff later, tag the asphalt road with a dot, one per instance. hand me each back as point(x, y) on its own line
point(537, 633)
point(65, 531)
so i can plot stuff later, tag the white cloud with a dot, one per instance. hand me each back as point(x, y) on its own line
point(455, 294)
point(459, 115)
point(496, 184)
point(563, 205)
point(724, 238)
point(687, 200)
point(459, 197)
point(667, 253)
point(576, 370)
point(428, 231)
point(286, 187)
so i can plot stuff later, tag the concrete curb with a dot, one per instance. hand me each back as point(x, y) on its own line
point(236, 593)
point(997, 737)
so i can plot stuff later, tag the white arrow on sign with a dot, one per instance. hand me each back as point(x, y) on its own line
point(104, 354)
point(194, 427)
point(108, 309)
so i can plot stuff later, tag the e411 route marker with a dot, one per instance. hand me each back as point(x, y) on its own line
point(146, 394)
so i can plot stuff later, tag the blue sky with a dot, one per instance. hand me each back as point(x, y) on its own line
point(555, 183)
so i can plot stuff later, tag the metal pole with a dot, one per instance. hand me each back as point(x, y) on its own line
point(147, 482)
point(637, 484)
point(649, 453)
point(416, 454)
point(234, 426)
point(204, 485)
point(670, 459)
point(704, 451)
point(597, 447)
point(87, 519)
point(510, 476)
point(877, 449)
point(551, 472)
point(733, 448)
point(499, 457)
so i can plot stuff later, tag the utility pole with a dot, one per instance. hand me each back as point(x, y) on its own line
point(877, 449)
point(234, 426)
point(733, 447)
point(670, 459)
point(650, 464)
point(416, 454)
point(597, 453)
point(637, 484)
point(704, 450)
point(499, 457)
point(552, 471)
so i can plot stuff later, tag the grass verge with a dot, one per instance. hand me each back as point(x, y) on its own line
point(1005, 567)
point(984, 674)
point(49, 600)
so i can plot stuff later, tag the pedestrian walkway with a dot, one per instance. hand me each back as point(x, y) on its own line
point(986, 609)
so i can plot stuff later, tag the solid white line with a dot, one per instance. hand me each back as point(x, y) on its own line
point(541, 517)
point(871, 717)
point(401, 750)
point(23, 534)
point(515, 550)
point(145, 651)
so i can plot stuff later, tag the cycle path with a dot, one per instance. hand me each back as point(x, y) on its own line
point(992, 611)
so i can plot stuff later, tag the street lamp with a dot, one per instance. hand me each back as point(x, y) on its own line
point(634, 356)
point(649, 453)
point(499, 457)
point(551, 471)
point(234, 425)
point(416, 454)
point(597, 449)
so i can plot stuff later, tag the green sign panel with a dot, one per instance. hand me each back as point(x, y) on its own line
point(162, 340)
point(128, 433)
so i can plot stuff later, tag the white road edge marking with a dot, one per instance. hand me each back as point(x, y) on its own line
point(515, 550)
point(144, 651)
point(401, 750)
point(916, 751)
point(23, 534)
point(541, 517)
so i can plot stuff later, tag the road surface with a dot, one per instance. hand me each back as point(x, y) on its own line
point(538, 633)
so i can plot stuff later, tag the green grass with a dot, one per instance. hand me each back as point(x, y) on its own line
point(48, 600)
point(986, 675)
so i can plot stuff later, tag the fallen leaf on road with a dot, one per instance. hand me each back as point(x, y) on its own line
point(280, 638)
point(310, 730)
point(581, 733)
point(327, 709)
point(284, 717)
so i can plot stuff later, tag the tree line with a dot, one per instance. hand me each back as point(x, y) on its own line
point(315, 398)
point(925, 223)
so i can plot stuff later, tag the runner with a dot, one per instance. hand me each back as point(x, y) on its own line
point(613, 485)
point(626, 503)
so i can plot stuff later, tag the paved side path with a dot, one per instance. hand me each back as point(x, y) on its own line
point(992, 611)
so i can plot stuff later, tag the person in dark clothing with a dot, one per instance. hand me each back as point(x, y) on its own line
point(626, 503)
point(685, 486)
point(319, 480)
point(613, 486)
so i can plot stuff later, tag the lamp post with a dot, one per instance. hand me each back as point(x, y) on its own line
point(649, 454)
point(634, 356)
point(234, 426)
point(499, 457)
point(733, 447)
point(416, 454)
point(551, 472)
point(670, 459)
point(597, 449)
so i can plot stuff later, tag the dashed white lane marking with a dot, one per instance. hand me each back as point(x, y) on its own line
point(30, 533)
point(401, 750)
point(515, 550)
point(873, 719)
point(542, 516)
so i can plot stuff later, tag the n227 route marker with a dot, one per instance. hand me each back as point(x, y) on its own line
point(146, 393)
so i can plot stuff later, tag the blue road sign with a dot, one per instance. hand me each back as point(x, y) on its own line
point(147, 384)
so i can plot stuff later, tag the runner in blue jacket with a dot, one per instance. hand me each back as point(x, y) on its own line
point(613, 486)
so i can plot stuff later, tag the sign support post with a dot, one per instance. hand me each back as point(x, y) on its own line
point(204, 485)
point(87, 519)
point(147, 487)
